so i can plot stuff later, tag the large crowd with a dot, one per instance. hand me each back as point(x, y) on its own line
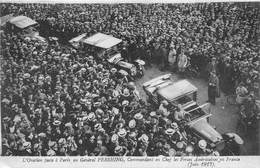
point(58, 101)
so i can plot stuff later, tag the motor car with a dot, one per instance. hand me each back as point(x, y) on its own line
point(105, 47)
point(197, 124)
point(25, 27)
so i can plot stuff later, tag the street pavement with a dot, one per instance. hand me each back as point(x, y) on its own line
point(223, 115)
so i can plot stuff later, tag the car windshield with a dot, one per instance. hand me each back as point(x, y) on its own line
point(195, 112)
point(185, 99)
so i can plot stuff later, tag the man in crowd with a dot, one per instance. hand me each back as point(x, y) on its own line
point(213, 88)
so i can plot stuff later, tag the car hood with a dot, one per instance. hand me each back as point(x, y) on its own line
point(203, 129)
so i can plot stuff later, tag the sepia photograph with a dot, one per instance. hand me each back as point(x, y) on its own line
point(130, 82)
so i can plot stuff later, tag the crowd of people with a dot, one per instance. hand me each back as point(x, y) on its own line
point(58, 101)
point(227, 31)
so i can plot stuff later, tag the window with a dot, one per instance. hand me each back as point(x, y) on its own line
point(185, 99)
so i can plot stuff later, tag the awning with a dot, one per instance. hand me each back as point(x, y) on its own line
point(22, 22)
point(102, 40)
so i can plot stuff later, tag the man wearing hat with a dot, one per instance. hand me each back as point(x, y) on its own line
point(5, 109)
point(37, 150)
point(182, 63)
point(26, 149)
point(121, 151)
point(164, 56)
point(213, 88)
point(69, 130)
point(172, 56)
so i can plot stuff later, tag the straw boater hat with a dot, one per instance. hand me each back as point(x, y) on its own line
point(105, 118)
point(115, 93)
point(115, 111)
point(122, 133)
point(132, 123)
point(27, 145)
point(132, 134)
point(56, 123)
point(126, 92)
point(91, 116)
point(138, 116)
point(113, 70)
point(82, 101)
point(42, 135)
point(36, 147)
point(85, 118)
point(170, 131)
point(118, 149)
point(51, 143)
point(62, 141)
point(144, 138)
point(174, 125)
point(125, 103)
point(154, 121)
point(26, 76)
point(114, 138)
point(215, 153)
point(97, 126)
point(97, 104)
